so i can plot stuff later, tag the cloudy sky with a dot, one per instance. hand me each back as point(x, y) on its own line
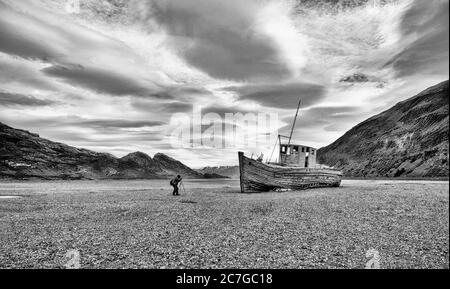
point(111, 77)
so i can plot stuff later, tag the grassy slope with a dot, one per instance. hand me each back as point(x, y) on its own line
point(408, 140)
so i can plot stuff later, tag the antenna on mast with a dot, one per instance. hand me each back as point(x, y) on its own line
point(295, 119)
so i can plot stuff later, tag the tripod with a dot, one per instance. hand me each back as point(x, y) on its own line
point(182, 185)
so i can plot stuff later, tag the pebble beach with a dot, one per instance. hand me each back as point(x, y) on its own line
point(139, 224)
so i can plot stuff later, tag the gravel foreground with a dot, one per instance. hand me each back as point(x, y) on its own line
point(139, 224)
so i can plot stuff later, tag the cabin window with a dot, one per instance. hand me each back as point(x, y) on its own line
point(307, 150)
point(295, 149)
point(303, 149)
point(312, 152)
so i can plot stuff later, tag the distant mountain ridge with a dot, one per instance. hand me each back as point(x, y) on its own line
point(408, 140)
point(25, 155)
point(227, 171)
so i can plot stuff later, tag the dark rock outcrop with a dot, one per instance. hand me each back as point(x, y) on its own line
point(408, 140)
point(25, 155)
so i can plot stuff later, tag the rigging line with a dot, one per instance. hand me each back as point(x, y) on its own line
point(278, 138)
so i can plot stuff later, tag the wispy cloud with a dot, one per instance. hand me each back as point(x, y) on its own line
point(111, 77)
point(425, 27)
point(102, 80)
point(227, 39)
point(284, 95)
point(14, 99)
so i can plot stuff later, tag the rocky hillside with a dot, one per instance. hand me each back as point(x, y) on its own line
point(171, 166)
point(408, 140)
point(26, 155)
point(227, 171)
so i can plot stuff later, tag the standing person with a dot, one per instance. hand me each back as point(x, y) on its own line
point(174, 183)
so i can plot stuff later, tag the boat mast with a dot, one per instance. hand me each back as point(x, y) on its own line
point(295, 119)
point(290, 136)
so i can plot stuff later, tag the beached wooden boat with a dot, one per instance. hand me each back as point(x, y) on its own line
point(296, 169)
point(256, 176)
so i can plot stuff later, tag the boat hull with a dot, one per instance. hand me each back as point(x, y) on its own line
point(260, 177)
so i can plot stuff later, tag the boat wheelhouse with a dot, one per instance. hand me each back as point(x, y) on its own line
point(298, 156)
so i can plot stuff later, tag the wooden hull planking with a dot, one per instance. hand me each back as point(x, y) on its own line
point(259, 177)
